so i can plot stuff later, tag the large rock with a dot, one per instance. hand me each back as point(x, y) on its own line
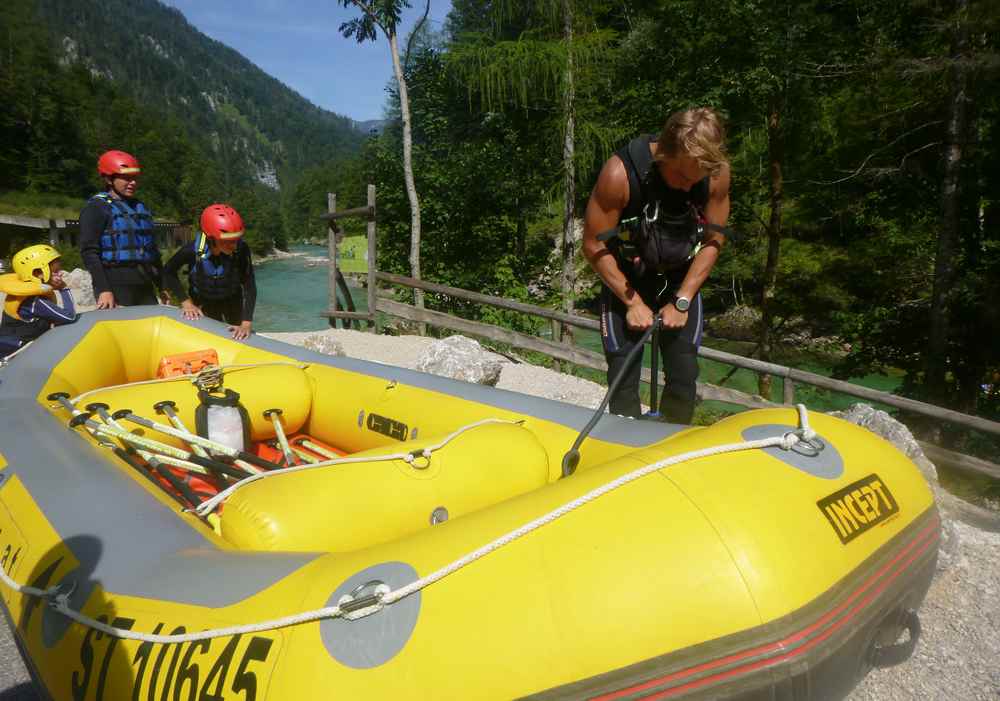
point(322, 343)
point(461, 358)
point(81, 286)
point(880, 423)
point(738, 323)
point(952, 508)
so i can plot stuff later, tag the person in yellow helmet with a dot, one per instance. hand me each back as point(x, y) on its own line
point(37, 297)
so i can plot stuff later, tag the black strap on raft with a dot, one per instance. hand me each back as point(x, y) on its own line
point(572, 457)
point(654, 350)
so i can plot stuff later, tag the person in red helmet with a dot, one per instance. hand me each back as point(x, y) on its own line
point(117, 241)
point(219, 270)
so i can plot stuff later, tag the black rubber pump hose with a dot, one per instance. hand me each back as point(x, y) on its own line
point(572, 457)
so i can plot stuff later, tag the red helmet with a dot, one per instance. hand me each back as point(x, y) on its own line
point(221, 222)
point(117, 163)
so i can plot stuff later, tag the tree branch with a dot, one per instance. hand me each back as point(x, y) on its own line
point(369, 10)
point(413, 34)
point(874, 153)
point(915, 151)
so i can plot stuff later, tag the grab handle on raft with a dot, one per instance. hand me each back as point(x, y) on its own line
point(571, 459)
point(882, 657)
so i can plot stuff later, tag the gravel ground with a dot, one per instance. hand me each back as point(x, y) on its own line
point(958, 658)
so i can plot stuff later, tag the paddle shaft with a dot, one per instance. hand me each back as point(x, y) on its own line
point(155, 446)
point(195, 439)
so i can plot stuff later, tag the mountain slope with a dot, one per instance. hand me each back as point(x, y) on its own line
point(251, 119)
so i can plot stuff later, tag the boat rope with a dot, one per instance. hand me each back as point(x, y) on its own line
point(353, 608)
point(6, 358)
point(190, 377)
point(411, 456)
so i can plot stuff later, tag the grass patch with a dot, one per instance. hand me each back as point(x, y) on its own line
point(40, 205)
point(352, 254)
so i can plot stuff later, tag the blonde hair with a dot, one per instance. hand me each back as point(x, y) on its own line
point(697, 133)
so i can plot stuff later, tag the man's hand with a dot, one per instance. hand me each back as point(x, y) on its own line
point(106, 300)
point(242, 331)
point(673, 318)
point(639, 317)
point(57, 281)
point(190, 310)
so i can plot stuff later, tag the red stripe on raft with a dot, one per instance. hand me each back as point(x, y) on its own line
point(781, 644)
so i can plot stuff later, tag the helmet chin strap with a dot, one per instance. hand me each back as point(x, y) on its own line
point(113, 191)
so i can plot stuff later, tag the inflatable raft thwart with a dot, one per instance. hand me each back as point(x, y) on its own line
point(423, 542)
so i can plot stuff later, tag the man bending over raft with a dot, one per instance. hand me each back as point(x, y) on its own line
point(653, 230)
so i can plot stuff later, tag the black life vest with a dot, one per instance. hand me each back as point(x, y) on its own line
point(214, 278)
point(128, 237)
point(660, 225)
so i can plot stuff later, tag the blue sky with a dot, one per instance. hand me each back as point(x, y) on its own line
point(304, 50)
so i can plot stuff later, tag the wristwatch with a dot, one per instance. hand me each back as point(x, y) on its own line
point(682, 303)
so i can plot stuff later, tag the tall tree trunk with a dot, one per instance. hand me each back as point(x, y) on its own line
point(569, 167)
point(411, 188)
point(521, 244)
point(948, 234)
point(776, 156)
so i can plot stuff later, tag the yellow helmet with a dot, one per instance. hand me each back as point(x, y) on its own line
point(28, 260)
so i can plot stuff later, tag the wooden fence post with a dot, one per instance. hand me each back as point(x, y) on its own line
point(556, 338)
point(787, 390)
point(372, 260)
point(331, 238)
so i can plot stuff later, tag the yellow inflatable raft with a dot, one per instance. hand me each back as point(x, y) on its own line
point(423, 544)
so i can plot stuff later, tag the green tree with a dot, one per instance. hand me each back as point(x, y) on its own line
point(384, 16)
point(544, 58)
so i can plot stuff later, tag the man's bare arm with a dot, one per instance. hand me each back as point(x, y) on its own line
point(716, 212)
point(604, 209)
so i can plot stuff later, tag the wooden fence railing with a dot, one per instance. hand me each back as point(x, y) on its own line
point(589, 359)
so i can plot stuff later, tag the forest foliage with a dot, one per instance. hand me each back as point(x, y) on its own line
point(850, 101)
point(78, 78)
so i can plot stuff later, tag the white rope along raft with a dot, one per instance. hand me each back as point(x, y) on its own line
point(208, 506)
point(189, 377)
point(383, 596)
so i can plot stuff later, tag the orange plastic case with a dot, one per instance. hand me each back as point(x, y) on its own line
point(270, 452)
point(186, 363)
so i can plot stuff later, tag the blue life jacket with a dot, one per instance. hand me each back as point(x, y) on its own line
point(212, 280)
point(129, 237)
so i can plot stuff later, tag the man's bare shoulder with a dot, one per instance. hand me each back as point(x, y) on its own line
point(612, 188)
point(719, 183)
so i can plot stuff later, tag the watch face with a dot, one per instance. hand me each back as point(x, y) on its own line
point(682, 304)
